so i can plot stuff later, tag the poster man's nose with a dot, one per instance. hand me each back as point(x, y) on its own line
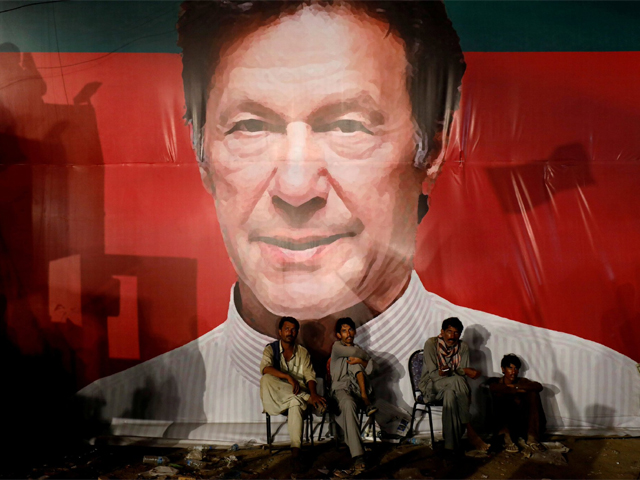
point(302, 173)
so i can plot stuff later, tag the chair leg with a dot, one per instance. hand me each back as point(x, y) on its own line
point(433, 439)
point(413, 417)
point(269, 440)
point(324, 416)
point(373, 420)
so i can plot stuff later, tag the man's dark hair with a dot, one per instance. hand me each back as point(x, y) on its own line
point(431, 44)
point(509, 359)
point(453, 322)
point(290, 320)
point(344, 321)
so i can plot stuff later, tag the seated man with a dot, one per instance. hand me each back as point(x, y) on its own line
point(517, 406)
point(445, 365)
point(288, 380)
point(350, 366)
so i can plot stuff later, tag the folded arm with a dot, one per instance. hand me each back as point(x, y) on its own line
point(345, 351)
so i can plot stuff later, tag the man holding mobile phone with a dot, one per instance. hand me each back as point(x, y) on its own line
point(445, 366)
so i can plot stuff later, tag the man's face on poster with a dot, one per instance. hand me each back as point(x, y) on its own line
point(309, 149)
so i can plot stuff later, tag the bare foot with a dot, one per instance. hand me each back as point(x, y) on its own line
point(476, 441)
point(480, 444)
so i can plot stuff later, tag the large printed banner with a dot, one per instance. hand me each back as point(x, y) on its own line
point(175, 178)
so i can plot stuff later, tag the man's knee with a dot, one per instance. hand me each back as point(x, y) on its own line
point(448, 396)
point(297, 408)
point(459, 383)
point(355, 369)
point(267, 381)
point(346, 403)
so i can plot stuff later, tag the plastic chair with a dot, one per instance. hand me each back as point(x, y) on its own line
point(307, 419)
point(332, 407)
point(420, 403)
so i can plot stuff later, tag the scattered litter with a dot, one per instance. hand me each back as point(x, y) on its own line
point(484, 476)
point(194, 455)
point(556, 446)
point(161, 470)
point(476, 454)
point(234, 448)
point(155, 459)
point(197, 464)
point(419, 441)
point(249, 444)
point(324, 470)
point(231, 459)
point(552, 457)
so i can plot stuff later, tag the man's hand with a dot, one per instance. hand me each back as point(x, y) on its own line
point(444, 372)
point(472, 373)
point(317, 401)
point(294, 384)
point(356, 361)
point(517, 389)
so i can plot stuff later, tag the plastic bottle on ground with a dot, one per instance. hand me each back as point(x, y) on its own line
point(197, 464)
point(418, 441)
point(155, 460)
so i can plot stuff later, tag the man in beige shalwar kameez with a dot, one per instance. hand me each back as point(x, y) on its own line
point(288, 382)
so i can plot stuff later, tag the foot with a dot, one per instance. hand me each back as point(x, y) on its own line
point(359, 465)
point(510, 447)
point(346, 473)
point(296, 468)
point(536, 446)
point(370, 410)
point(479, 444)
point(475, 439)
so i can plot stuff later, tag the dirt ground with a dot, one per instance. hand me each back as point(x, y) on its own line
point(592, 458)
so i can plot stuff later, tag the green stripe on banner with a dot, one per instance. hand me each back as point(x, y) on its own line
point(91, 26)
point(541, 26)
point(483, 26)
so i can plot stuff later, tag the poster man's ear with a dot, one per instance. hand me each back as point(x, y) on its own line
point(207, 181)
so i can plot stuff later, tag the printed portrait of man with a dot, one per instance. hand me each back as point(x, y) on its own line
point(319, 128)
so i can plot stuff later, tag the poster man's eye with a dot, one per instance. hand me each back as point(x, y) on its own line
point(251, 125)
point(344, 126)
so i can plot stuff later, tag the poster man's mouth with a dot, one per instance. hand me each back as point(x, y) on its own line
point(303, 243)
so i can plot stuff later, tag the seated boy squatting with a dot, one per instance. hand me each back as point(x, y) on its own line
point(517, 406)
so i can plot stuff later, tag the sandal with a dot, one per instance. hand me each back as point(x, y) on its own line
point(370, 410)
point(347, 472)
point(511, 447)
point(358, 468)
point(536, 447)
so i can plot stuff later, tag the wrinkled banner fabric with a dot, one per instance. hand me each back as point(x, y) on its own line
point(150, 283)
